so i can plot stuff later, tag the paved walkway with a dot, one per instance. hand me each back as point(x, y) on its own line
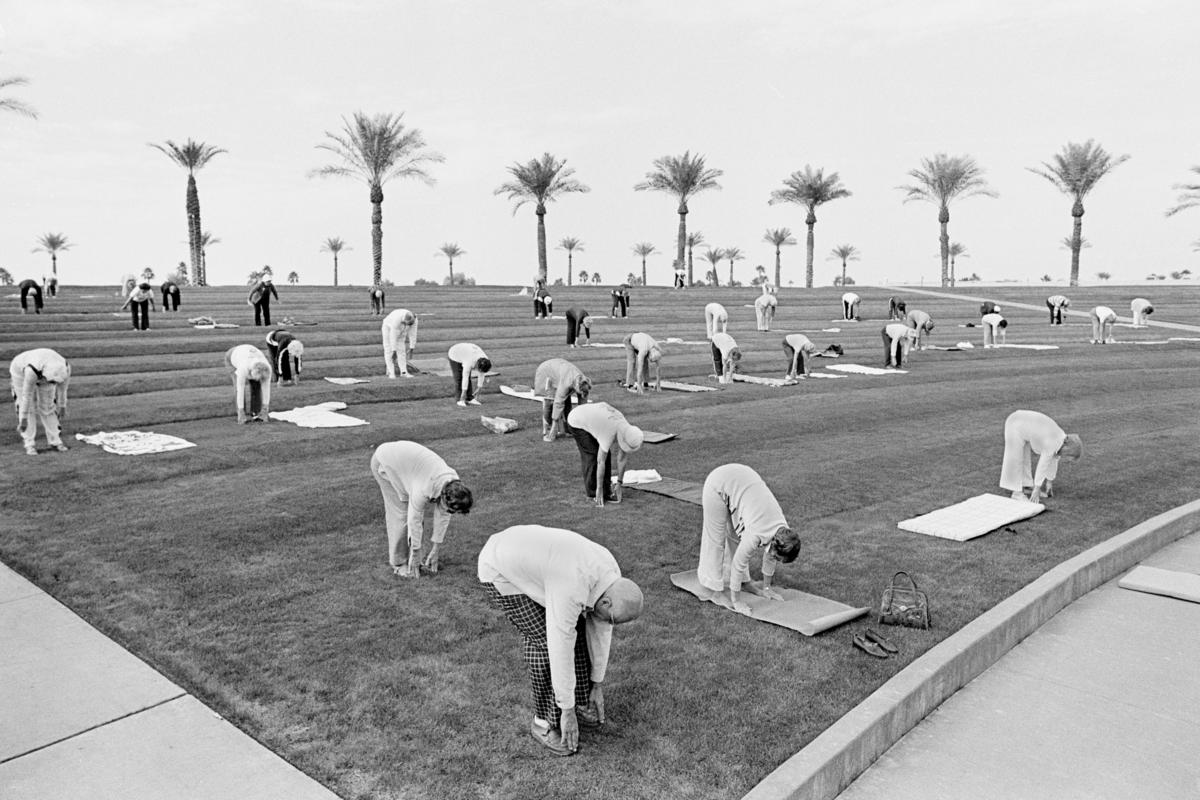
point(81, 716)
point(1103, 701)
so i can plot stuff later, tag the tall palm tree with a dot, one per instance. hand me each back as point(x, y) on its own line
point(956, 249)
point(571, 244)
point(540, 181)
point(335, 245)
point(779, 237)
point(941, 180)
point(375, 150)
point(1075, 171)
point(694, 240)
point(844, 253)
point(809, 188)
point(1189, 196)
point(713, 257)
point(682, 176)
point(644, 249)
point(733, 254)
point(192, 155)
point(52, 243)
point(206, 240)
point(451, 251)
point(12, 104)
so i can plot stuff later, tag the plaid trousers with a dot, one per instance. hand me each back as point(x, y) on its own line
point(529, 618)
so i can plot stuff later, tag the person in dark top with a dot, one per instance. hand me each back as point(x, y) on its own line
point(30, 286)
point(170, 295)
point(260, 298)
point(579, 325)
point(286, 351)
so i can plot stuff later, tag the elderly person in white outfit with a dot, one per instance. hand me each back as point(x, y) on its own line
point(898, 339)
point(596, 426)
point(563, 593)
point(715, 315)
point(1103, 319)
point(412, 477)
point(741, 517)
point(1027, 433)
point(850, 302)
point(994, 328)
point(562, 384)
point(642, 353)
point(399, 340)
point(922, 323)
point(251, 370)
point(725, 356)
point(1141, 308)
point(39, 388)
point(798, 349)
point(469, 366)
point(1057, 303)
point(764, 310)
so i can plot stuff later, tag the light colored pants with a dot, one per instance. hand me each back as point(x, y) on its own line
point(397, 345)
point(992, 335)
point(1102, 331)
point(717, 544)
point(711, 321)
point(395, 508)
point(764, 315)
point(1016, 472)
point(43, 409)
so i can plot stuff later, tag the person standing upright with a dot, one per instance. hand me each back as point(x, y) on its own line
point(260, 298)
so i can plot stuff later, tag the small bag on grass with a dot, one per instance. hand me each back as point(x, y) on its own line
point(499, 424)
point(904, 604)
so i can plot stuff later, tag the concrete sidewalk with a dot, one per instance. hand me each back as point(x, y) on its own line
point(1102, 701)
point(81, 716)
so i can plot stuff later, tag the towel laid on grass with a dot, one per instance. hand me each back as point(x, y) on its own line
point(972, 517)
point(347, 381)
point(524, 392)
point(1028, 346)
point(680, 387)
point(686, 491)
point(654, 437)
point(676, 340)
point(776, 382)
point(1165, 582)
point(322, 415)
point(602, 344)
point(859, 369)
point(636, 476)
point(806, 613)
point(135, 443)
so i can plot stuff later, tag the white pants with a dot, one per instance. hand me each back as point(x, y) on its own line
point(1102, 330)
point(395, 512)
point(717, 544)
point(711, 321)
point(44, 409)
point(992, 335)
point(764, 315)
point(1016, 472)
point(397, 344)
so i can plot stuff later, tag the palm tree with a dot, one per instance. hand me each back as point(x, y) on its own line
point(682, 176)
point(809, 188)
point(941, 180)
point(779, 237)
point(596, 278)
point(583, 276)
point(375, 150)
point(148, 274)
point(451, 251)
point(335, 245)
point(1189, 196)
point(192, 156)
point(733, 254)
point(206, 239)
point(956, 249)
point(713, 257)
point(6, 278)
point(1103, 275)
point(844, 253)
point(1075, 172)
point(293, 278)
point(11, 104)
point(571, 244)
point(693, 240)
point(540, 181)
point(644, 249)
point(51, 243)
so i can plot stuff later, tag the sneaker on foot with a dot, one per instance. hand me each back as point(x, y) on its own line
point(474, 402)
point(461, 404)
point(549, 738)
point(31, 451)
point(60, 447)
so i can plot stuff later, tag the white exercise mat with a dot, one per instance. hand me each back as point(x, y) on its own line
point(135, 443)
point(322, 415)
point(678, 386)
point(1165, 582)
point(1028, 346)
point(635, 476)
point(524, 392)
point(972, 517)
point(347, 381)
point(859, 369)
point(776, 382)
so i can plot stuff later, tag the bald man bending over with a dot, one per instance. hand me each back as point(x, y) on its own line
point(922, 323)
point(1103, 319)
point(1027, 433)
point(563, 593)
point(643, 351)
point(725, 355)
point(399, 340)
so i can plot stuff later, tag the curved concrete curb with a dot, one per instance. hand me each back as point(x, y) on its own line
point(839, 755)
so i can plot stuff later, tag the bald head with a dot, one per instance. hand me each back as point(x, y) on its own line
point(621, 602)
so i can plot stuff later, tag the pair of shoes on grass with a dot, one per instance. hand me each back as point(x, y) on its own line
point(874, 644)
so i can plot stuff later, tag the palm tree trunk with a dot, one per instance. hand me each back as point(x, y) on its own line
point(944, 241)
point(335, 269)
point(731, 272)
point(451, 283)
point(777, 267)
point(843, 272)
point(377, 234)
point(570, 267)
point(681, 241)
point(952, 277)
point(543, 271)
point(1076, 241)
point(54, 264)
point(811, 222)
point(193, 218)
point(643, 270)
point(690, 281)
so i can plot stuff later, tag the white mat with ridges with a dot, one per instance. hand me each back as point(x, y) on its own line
point(776, 382)
point(135, 443)
point(859, 369)
point(322, 415)
point(972, 517)
point(680, 387)
point(347, 381)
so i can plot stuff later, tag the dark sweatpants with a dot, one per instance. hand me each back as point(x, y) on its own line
point(262, 311)
point(28, 288)
point(456, 370)
point(171, 299)
point(790, 352)
point(718, 360)
point(1055, 313)
point(588, 448)
point(575, 329)
point(141, 307)
point(887, 351)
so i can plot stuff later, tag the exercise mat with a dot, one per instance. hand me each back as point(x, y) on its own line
point(686, 387)
point(809, 614)
point(972, 517)
point(524, 392)
point(686, 491)
point(654, 437)
point(776, 382)
point(135, 443)
point(1165, 582)
point(859, 369)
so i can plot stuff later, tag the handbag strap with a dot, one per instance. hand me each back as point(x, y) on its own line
point(910, 580)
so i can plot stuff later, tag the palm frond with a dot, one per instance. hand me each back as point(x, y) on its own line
point(191, 155)
point(943, 178)
point(51, 243)
point(1078, 168)
point(377, 149)
point(682, 176)
point(644, 249)
point(12, 104)
point(570, 244)
point(810, 188)
point(1189, 196)
point(779, 237)
point(540, 180)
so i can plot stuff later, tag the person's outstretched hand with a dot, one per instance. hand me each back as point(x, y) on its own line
point(771, 594)
point(431, 561)
point(742, 607)
point(569, 728)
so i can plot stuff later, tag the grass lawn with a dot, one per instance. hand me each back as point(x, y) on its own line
point(252, 568)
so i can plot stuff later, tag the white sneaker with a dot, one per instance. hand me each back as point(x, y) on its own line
point(474, 402)
point(461, 404)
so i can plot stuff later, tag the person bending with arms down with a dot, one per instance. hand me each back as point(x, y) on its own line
point(579, 326)
point(1103, 319)
point(1031, 432)
point(399, 341)
point(251, 382)
point(796, 346)
point(1057, 303)
point(725, 356)
point(596, 426)
point(562, 385)
point(469, 366)
point(898, 339)
point(643, 351)
point(563, 593)
point(922, 323)
point(39, 389)
point(715, 316)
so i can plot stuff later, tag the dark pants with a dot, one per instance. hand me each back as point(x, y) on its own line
point(52, 287)
point(1055, 314)
point(170, 299)
point(790, 353)
point(847, 310)
point(887, 351)
point(262, 312)
point(529, 618)
point(140, 307)
point(718, 360)
point(36, 291)
point(456, 370)
point(254, 399)
point(574, 328)
point(540, 308)
point(588, 448)
point(618, 302)
point(897, 309)
point(548, 412)
point(281, 368)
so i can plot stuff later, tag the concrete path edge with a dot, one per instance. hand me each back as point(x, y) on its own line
point(842, 752)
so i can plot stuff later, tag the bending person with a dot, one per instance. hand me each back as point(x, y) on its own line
point(39, 389)
point(399, 341)
point(170, 295)
point(562, 385)
point(563, 593)
point(596, 426)
point(1027, 433)
point(725, 356)
point(1103, 319)
point(139, 302)
point(795, 347)
point(469, 366)
point(741, 516)
point(1140, 308)
point(251, 382)
point(286, 353)
point(922, 323)
point(988, 307)
point(412, 477)
point(994, 329)
point(850, 302)
point(579, 325)
point(30, 287)
point(643, 351)
point(260, 298)
point(1057, 303)
point(378, 300)
point(898, 340)
point(715, 315)
point(764, 310)
point(896, 308)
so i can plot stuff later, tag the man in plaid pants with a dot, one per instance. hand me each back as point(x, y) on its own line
point(564, 593)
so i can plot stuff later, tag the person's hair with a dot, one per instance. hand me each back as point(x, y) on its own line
point(484, 364)
point(260, 371)
point(1072, 447)
point(1003, 323)
point(735, 354)
point(786, 544)
point(655, 353)
point(145, 287)
point(409, 318)
point(929, 326)
point(456, 497)
point(583, 387)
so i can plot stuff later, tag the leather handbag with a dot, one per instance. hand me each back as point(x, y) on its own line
point(904, 604)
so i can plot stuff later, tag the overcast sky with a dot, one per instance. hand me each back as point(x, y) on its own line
point(865, 89)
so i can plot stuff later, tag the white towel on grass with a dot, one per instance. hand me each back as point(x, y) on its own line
point(859, 369)
point(1028, 346)
point(602, 344)
point(680, 386)
point(776, 382)
point(135, 443)
point(677, 340)
point(322, 415)
point(823, 375)
point(347, 381)
point(633, 476)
